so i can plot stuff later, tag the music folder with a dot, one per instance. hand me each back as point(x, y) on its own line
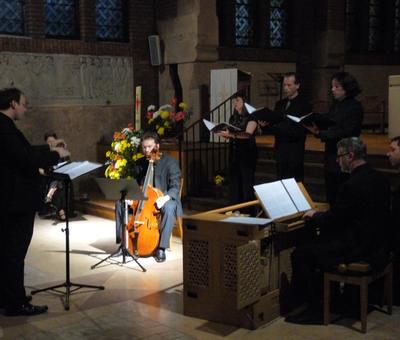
point(320, 120)
point(75, 169)
point(212, 127)
point(264, 114)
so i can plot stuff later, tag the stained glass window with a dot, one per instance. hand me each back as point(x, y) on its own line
point(111, 20)
point(61, 18)
point(278, 24)
point(351, 25)
point(244, 25)
point(396, 33)
point(374, 25)
point(12, 17)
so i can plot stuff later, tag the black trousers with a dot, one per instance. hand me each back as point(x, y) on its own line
point(15, 236)
point(309, 262)
point(289, 170)
point(241, 182)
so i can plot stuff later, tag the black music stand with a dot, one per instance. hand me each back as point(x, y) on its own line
point(67, 174)
point(122, 190)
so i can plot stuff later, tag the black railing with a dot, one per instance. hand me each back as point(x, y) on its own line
point(202, 154)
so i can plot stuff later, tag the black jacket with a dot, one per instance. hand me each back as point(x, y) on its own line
point(19, 174)
point(348, 116)
point(359, 222)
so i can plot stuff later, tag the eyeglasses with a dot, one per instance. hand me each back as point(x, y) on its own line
point(341, 155)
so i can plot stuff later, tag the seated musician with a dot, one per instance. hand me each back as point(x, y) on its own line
point(167, 179)
point(55, 192)
point(356, 228)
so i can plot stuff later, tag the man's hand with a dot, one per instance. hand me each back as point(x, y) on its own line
point(309, 214)
point(162, 200)
point(62, 152)
point(313, 128)
point(58, 143)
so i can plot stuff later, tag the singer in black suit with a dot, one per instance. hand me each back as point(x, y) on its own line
point(19, 199)
point(290, 136)
point(347, 113)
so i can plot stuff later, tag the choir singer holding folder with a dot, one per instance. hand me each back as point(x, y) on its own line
point(242, 152)
point(347, 113)
point(289, 136)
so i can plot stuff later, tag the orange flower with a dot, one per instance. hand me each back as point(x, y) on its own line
point(131, 127)
point(118, 136)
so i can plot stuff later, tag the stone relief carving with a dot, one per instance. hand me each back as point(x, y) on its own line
point(54, 79)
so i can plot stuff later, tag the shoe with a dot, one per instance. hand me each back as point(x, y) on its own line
point(28, 298)
point(26, 309)
point(160, 255)
point(306, 317)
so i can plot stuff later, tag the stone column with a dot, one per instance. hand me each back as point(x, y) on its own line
point(329, 46)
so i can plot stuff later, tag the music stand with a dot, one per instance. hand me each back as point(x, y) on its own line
point(122, 190)
point(67, 174)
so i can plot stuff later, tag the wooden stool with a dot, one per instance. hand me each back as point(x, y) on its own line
point(358, 274)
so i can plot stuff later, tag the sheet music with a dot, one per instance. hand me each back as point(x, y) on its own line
point(247, 220)
point(275, 199)
point(208, 124)
point(296, 194)
point(76, 169)
point(250, 109)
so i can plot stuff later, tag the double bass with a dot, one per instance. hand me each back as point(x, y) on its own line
point(143, 226)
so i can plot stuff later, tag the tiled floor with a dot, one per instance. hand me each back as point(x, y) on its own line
point(137, 305)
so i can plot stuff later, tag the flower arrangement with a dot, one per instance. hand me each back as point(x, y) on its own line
point(125, 151)
point(168, 120)
point(219, 178)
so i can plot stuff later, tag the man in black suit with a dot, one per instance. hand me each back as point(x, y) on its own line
point(347, 113)
point(356, 228)
point(290, 137)
point(19, 199)
point(167, 177)
point(394, 158)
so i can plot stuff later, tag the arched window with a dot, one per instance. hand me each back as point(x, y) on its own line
point(244, 29)
point(253, 23)
point(111, 20)
point(12, 17)
point(61, 18)
point(375, 26)
point(278, 24)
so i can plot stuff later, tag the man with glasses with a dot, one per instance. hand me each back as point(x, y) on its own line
point(355, 228)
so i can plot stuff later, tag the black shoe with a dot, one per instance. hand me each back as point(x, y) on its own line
point(160, 255)
point(306, 317)
point(26, 309)
point(28, 298)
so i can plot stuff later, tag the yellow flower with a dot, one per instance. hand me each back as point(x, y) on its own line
point(218, 180)
point(167, 123)
point(137, 156)
point(160, 131)
point(164, 114)
point(183, 106)
point(150, 120)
